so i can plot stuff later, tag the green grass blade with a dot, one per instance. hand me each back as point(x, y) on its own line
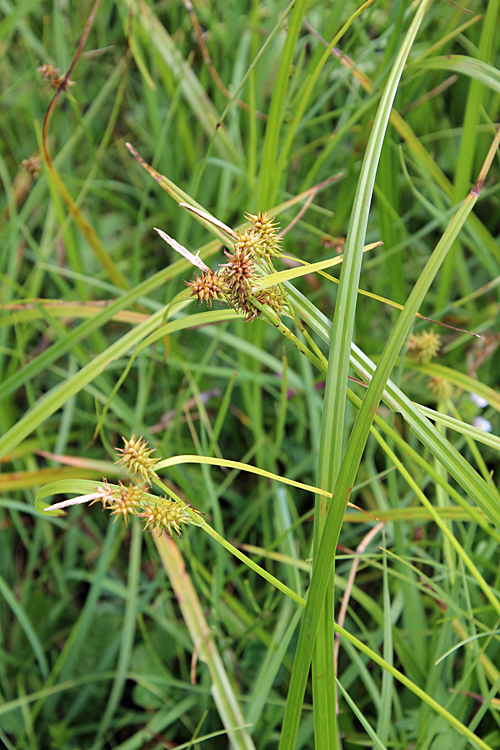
point(269, 669)
point(477, 489)
point(127, 634)
point(222, 690)
point(308, 89)
point(60, 394)
point(269, 176)
point(192, 89)
point(332, 436)
point(57, 350)
point(398, 675)
point(377, 742)
point(469, 66)
point(26, 625)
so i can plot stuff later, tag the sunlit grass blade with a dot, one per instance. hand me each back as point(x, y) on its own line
point(295, 273)
point(60, 394)
point(222, 689)
point(332, 440)
point(350, 461)
point(100, 317)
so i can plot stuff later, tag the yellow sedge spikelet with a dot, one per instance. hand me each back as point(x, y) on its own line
point(422, 347)
point(127, 502)
point(165, 516)
point(136, 458)
point(441, 388)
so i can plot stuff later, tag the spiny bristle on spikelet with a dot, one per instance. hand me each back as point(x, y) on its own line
point(136, 458)
point(166, 515)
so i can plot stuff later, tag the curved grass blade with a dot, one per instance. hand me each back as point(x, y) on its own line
point(26, 626)
point(88, 491)
point(269, 177)
point(469, 66)
point(222, 689)
point(332, 438)
point(61, 393)
point(350, 462)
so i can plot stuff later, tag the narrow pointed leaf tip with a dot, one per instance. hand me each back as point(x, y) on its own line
point(210, 219)
point(195, 260)
point(74, 501)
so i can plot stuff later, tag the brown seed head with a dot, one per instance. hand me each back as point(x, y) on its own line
point(207, 288)
point(56, 81)
point(239, 272)
point(33, 165)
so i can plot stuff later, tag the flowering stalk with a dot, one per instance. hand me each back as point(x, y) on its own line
point(133, 499)
point(248, 260)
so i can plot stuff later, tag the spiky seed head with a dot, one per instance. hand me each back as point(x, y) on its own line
point(267, 229)
point(249, 241)
point(165, 515)
point(136, 458)
point(422, 347)
point(105, 495)
point(56, 81)
point(127, 502)
point(207, 288)
point(263, 224)
point(239, 272)
point(234, 282)
point(441, 388)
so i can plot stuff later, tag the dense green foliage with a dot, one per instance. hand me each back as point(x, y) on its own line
point(106, 641)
